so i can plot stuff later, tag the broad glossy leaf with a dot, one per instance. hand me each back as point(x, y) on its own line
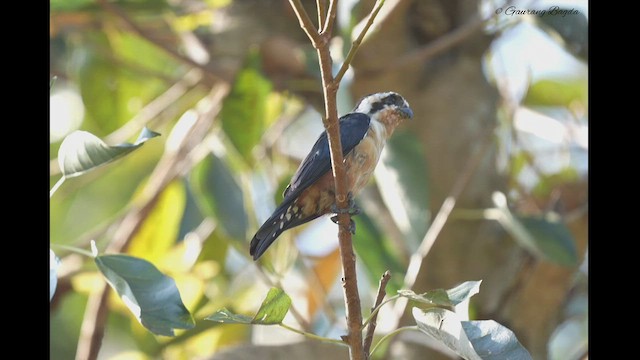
point(473, 340)
point(545, 237)
point(220, 196)
point(553, 238)
point(272, 311)
point(401, 176)
point(150, 295)
point(493, 341)
point(441, 297)
point(244, 111)
point(82, 151)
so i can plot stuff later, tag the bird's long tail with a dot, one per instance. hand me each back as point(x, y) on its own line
point(286, 216)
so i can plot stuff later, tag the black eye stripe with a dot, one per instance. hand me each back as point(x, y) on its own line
point(393, 99)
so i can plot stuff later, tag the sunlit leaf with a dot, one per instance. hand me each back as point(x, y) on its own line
point(82, 151)
point(54, 263)
point(272, 311)
point(472, 340)
point(274, 308)
point(401, 176)
point(220, 196)
point(159, 230)
point(552, 92)
point(441, 297)
point(150, 295)
point(244, 110)
point(377, 252)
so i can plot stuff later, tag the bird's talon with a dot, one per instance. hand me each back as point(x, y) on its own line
point(351, 209)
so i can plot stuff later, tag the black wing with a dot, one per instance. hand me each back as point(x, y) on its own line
point(353, 128)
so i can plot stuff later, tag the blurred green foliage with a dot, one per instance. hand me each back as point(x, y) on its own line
point(199, 226)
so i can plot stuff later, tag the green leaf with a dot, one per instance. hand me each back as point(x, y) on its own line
point(225, 316)
point(159, 231)
point(448, 298)
point(82, 151)
point(545, 237)
point(553, 238)
point(220, 196)
point(272, 311)
point(244, 111)
point(401, 176)
point(150, 295)
point(472, 340)
point(274, 308)
point(552, 92)
point(377, 252)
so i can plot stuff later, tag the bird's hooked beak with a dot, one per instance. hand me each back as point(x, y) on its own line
point(406, 112)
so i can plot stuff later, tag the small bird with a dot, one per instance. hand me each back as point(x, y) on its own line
point(311, 191)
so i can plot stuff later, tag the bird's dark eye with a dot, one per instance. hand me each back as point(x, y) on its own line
point(393, 99)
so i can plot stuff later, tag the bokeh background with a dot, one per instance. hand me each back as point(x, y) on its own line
point(501, 126)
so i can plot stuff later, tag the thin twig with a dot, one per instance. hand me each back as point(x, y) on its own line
point(435, 47)
point(92, 328)
point(327, 27)
point(355, 45)
point(321, 6)
point(417, 259)
point(368, 339)
point(305, 22)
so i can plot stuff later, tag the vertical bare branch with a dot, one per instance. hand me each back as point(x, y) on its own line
point(320, 42)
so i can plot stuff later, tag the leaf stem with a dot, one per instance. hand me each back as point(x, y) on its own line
point(394, 332)
point(313, 336)
point(377, 308)
point(56, 186)
point(73, 249)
